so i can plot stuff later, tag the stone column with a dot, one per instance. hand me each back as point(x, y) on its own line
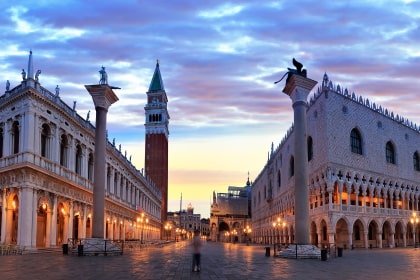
point(54, 221)
point(3, 221)
point(27, 216)
point(103, 96)
point(298, 88)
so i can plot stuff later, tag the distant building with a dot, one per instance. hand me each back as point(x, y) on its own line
point(46, 171)
point(205, 227)
point(185, 222)
point(230, 215)
point(364, 176)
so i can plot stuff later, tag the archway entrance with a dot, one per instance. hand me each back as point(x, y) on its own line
point(61, 224)
point(399, 235)
point(372, 234)
point(358, 238)
point(342, 234)
point(41, 226)
point(76, 227)
point(314, 235)
point(387, 235)
point(12, 220)
point(224, 232)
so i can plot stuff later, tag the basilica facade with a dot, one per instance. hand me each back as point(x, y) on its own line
point(364, 176)
point(46, 172)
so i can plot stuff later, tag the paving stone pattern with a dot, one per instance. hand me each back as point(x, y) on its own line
point(219, 261)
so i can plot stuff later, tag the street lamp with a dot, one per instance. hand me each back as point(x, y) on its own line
point(168, 227)
point(247, 231)
point(277, 224)
point(142, 220)
point(414, 220)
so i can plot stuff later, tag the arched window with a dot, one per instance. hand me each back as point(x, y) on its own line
point(390, 152)
point(90, 167)
point(292, 166)
point(15, 137)
point(278, 179)
point(416, 161)
point(45, 136)
point(1, 142)
point(356, 142)
point(63, 150)
point(78, 163)
point(310, 149)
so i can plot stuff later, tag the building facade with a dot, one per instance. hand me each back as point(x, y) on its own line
point(230, 215)
point(185, 222)
point(46, 171)
point(364, 176)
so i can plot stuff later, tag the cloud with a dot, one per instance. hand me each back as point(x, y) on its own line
point(218, 60)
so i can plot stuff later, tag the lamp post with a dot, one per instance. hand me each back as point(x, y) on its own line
point(176, 234)
point(168, 228)
point(247, 231)
point(414, 220)
point(142, 220)
point(277, 224)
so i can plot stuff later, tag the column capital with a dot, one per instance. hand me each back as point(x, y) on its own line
point(103, 95)
point(298, 87)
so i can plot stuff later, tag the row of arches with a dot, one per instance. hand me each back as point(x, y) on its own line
point(349, 233)
point(59, 220)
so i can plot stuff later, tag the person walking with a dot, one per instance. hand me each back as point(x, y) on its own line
point(196, 245)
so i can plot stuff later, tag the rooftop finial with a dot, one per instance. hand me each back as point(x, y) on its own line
point(30, 66)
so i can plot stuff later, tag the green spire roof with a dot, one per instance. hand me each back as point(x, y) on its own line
point(156, 83)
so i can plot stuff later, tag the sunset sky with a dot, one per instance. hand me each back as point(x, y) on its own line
point(218, 61)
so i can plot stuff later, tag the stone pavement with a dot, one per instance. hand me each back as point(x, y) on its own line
point(219, 261)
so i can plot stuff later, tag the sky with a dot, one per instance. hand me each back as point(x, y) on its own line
point(219, 61)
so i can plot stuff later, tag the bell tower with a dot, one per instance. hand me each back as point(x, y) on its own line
point(157, 133)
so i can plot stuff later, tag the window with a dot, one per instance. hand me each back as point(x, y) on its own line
point(278, 179)
point(15, 137)
point(1, 142)
point(63, 150)
point(416, 161)
point(310, 149)
point(390, 153)
point(45, 134)
point(90, 167)
point(78, 163)
point(292, 166)
point(356, 142)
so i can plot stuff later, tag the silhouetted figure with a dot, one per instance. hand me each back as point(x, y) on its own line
point(196, 244)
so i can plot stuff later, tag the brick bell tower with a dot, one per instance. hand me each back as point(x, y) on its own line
point(157, 133)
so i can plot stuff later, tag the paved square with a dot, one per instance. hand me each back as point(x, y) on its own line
point(219, 261)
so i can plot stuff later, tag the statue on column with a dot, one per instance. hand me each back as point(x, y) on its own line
point(298, 71)
point(104, 76)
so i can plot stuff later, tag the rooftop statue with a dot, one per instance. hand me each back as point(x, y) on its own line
point(38, 72)
point(297, 71)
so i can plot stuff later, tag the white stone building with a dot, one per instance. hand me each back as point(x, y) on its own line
point(46, 174)
point(364, 176)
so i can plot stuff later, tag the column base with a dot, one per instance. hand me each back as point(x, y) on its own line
point(97, 247)
point(294, 251)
